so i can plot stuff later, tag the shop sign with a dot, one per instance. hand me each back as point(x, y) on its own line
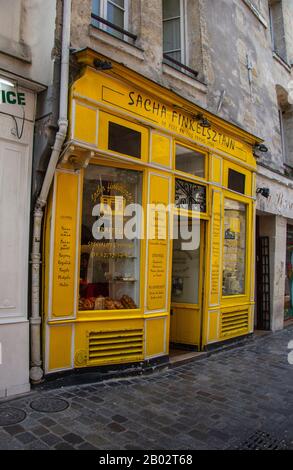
point(172, 118)
point(12, 97)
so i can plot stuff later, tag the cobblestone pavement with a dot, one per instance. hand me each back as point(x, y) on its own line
point(215, 403)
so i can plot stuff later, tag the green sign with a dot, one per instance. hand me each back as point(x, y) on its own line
point(11, 97)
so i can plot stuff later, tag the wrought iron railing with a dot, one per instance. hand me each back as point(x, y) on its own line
point(114, 26)
point(180, 65)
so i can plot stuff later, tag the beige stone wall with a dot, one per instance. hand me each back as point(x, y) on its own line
point(27, 34)
point(145, 56)
point(235, 33)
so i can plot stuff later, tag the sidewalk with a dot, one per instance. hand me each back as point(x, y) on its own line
point(239, 398)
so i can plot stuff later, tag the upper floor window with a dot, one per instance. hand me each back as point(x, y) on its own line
point(277, 28)
point(175, 23)
point(174, 30)
point(111, 16)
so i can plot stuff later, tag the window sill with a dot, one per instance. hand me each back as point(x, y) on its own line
point(110, 40)
point(281, 61)
point(256, 12)
point(185, 78)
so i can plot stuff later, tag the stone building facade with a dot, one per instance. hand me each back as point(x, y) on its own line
point(242, 51)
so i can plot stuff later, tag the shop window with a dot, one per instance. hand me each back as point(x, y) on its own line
point(186, 261)
point(110, 239)
point(190, 196)
point(189, 161)
point(111, 16)
point(234, 248)
point(236, 181)
point(277, 28)
point(124, 140)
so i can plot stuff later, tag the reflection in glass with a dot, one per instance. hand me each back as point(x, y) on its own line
point(186, 262)
point(109, 266)
point(189, 161)
point(234, 248)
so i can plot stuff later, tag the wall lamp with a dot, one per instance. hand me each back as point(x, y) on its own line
point(265, 192)
point(261, 148)
point(204, 122)
point(102, 64)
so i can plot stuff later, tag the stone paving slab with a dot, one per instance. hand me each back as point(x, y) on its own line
point(218, 402)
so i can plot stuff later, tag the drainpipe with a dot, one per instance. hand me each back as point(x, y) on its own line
point(36, 371)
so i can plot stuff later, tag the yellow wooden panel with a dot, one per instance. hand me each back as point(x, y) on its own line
point(213, 326)
point(216, 173)
point(65, 245)
point(248, 176)
point(60, 347)
point(85, 128)
point(155, 329)
point(187, 326)
point(158, 226)
point(115, 342)
point(216, 248)
point(161, 150)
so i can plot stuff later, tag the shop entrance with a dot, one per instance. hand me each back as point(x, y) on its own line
point(187, 286)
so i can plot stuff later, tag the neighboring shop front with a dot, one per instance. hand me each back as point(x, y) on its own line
point(17, 114)
point(274, 250)
point(129, 298)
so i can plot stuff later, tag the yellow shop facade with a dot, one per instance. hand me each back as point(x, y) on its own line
point(124, 300)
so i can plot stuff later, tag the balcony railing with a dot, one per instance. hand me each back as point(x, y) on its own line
point(114, 26)
point(180, 65)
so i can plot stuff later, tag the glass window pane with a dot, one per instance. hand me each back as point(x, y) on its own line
point(175, 56)
point(189, 161)
point(171, 8)
point(120, 3)
point(124, 140)
point(186, 261)
point(109, 263)
point(236, 181)
point(96, 9)
point(171, 35)
point(234, 248)
point(115, 15)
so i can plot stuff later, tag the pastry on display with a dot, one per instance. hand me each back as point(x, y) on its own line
point(106, 303)
point(128, 302)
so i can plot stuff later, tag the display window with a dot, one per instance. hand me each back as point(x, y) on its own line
point(110, 239)
point(234, 256)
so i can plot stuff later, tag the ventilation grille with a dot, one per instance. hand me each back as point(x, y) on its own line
point(234, 323)
point(115, 346)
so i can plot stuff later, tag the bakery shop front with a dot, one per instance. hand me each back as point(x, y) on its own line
point(149, 233)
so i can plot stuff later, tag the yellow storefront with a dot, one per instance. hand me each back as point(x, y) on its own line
point(121, 299)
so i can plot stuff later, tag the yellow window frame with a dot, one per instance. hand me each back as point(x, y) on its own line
point(193, 148)
point(103, 137)
point(89, 314)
